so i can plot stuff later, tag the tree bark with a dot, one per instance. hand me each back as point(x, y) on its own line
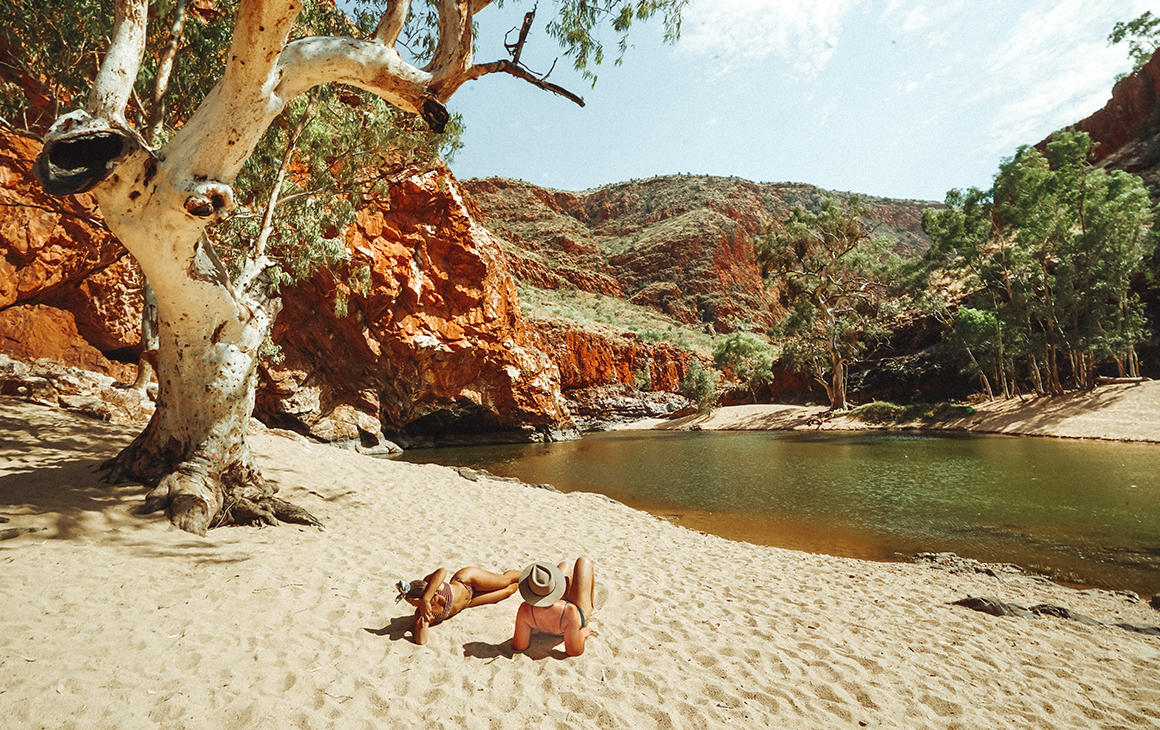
point(838, 383)
point(146, 364)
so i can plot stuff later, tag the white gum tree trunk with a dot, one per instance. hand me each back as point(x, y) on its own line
point(193, 453)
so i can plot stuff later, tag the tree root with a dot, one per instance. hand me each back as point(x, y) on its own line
point(197, 502)
point(265, 510)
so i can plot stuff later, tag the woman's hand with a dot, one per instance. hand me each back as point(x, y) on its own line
point(425, 610)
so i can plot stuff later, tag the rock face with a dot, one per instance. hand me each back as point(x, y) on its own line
point(35, 331)
point(590, 357)
point(1127, 130)
point(435, 349)
point(48, 382)
point(680, 244)
point(68, 290)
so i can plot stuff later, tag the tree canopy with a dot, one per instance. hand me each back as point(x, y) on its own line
point(748, 356)
point(835, 279)
point(1050, 251)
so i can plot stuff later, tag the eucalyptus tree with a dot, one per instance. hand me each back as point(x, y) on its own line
point(1051, 251)
point(1142, 34)
point(748, 356)
point(159, 201)
point(836, 280)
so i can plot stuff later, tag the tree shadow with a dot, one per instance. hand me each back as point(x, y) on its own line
point(764, 417)
point(62, 497)
point(50, 470)
point(1043, 413)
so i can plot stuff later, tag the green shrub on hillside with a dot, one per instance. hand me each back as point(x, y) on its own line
point(700, 386)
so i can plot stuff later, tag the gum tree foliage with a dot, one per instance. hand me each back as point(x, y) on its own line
point(1142, 35)
point(1050, 252)
point(700, 386)
point(836, 281)
point(748, 356)
point(972, 333)
point(164, 196)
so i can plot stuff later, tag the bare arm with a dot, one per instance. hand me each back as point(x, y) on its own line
point(523, 635)
point(574, 635)
point(434, 581)
point(420, 629)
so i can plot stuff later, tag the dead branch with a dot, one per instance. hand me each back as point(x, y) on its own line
point(522, 73)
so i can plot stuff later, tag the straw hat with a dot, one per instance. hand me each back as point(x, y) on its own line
point(541, 584)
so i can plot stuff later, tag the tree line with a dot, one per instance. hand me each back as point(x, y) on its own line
point(1038, 279)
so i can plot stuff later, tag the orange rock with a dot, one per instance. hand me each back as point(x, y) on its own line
point(31, 332)
point(437, 346)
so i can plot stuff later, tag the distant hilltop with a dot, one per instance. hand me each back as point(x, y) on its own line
point(682, 245)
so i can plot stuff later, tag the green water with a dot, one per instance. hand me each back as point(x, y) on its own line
point(1081, 511)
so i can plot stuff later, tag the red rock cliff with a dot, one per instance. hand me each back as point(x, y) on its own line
point(1116, 128)
point(589, 358)
point(437, 345)
point(68, 289)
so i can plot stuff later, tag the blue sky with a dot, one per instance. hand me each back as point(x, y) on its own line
point(895, 98)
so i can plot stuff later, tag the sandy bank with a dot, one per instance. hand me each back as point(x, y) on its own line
point(111, 620)
point(1112, 412)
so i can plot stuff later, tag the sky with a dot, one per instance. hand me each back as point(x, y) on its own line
point(893, 98)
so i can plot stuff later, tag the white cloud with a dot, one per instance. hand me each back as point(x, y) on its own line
point(1054, 70)
point(805, 33)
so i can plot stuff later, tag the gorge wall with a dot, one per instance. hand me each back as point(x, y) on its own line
point(68, 289)
point(435, 346)
point(1126, 131)
point(435, 349)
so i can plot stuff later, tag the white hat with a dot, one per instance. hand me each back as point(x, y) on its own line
point(541, 584)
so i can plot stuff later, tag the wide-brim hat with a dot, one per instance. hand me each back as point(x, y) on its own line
point(542, 584)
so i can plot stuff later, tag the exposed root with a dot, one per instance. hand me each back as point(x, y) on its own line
point(287, 512)
point(190, 513)
point(199, 494)
point(265, 510)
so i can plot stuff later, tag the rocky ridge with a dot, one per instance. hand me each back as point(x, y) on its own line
point(682, 245)
point(1126, 131)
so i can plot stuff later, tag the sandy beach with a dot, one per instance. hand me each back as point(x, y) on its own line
point(1120, 412)
point(111, 620)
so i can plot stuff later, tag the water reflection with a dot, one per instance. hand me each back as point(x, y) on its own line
point(1084, 511)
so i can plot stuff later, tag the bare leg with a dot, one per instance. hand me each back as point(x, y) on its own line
point(582, 586)
point(489, 587)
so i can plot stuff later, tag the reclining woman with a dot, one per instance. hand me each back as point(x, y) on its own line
point(437, 599)
point(555, 604)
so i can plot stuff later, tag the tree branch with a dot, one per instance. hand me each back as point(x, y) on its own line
point(453, 50)
point(520, 72)
point(258, 248)
point(391, 23)
point(368, 65)
point(114, 81)
point(161, 84)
